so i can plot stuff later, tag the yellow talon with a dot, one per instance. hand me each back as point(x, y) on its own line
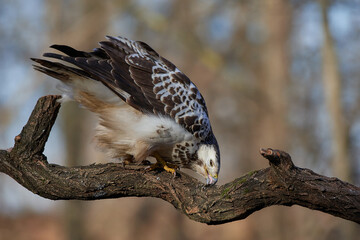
point(160, 163)
point(169, 169)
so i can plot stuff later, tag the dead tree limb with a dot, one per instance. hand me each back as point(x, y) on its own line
point(280, 184)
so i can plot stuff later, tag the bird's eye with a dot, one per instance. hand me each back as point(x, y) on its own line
point(211, 163)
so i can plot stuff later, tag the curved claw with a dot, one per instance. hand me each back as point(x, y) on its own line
point(161, 164)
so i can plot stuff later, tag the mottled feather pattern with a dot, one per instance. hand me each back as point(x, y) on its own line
point(184, 153)
point(144, 79)
point(165, 115)
point(180, 98)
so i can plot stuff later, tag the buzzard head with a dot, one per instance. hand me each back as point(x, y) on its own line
point(208, 164)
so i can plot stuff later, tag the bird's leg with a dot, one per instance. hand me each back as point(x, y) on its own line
point(160, 163)
point(127, 159)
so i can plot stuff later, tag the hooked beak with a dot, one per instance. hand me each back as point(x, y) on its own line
point(211, 180)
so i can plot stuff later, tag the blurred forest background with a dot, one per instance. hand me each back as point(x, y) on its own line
point(274, 73)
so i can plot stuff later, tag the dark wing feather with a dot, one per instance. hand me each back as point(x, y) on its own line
point(153, 84)
point(110, 69)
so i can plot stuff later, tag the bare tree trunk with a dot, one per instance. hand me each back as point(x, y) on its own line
point(332, 90)
point(271, 125)
point(73, 130)
point(70, 122)
point(340, 135)
point(274, 76)
point(65, 26)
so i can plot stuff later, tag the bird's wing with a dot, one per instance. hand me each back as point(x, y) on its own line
point(144, 79)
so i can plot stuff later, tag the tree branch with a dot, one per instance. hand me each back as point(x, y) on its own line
point(281, 184)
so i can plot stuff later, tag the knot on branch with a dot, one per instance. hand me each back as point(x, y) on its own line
point(31, 141)
point(277, 158)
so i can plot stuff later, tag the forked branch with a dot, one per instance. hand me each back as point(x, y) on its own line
point(280, 184)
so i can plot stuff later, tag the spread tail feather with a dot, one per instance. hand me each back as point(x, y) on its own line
point(77, 84)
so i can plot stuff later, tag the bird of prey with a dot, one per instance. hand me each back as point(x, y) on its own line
point(146, 106)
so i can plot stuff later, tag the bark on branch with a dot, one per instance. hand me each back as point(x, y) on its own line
point(280, 184)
